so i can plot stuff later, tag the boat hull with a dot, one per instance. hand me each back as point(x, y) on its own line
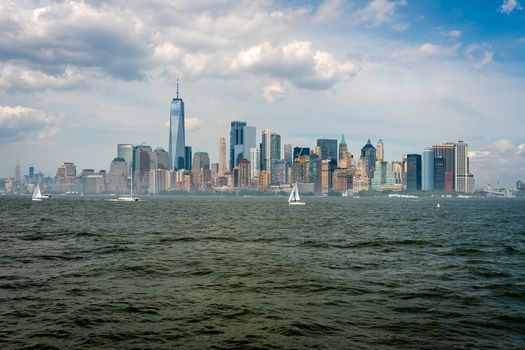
point(297, 203)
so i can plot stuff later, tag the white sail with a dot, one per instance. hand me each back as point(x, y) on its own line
point(36, 193)
point(292, 194)
point(297, 198)
point(294, 198)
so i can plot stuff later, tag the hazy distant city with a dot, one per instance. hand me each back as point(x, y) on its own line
point(262, 163)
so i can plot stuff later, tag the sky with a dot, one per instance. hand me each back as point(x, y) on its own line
point(79, 77)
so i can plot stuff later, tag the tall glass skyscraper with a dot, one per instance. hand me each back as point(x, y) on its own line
point(328, 149)
point(177, 148)
point(125, 151)
point(368, 154)
point(427, 181)
point(236, 143)
point(413, 181)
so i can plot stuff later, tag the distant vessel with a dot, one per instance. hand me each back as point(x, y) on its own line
point(439, 206)
point(38, 196)
point(395, 195)
point(129, 198)
point(294, 198)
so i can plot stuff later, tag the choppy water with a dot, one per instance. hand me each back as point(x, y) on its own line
point(212, 272)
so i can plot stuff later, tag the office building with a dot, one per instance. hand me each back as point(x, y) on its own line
point(125, 151)
point(288, 154)
point(117, 178)
point(328, 149)
point(265, 149)
point(222, 156)
point(368, 155)
point(413, 176)
point(201, 161)
point(300, 151)
point(439, 174)
point(142, 166)
point(447, 151)
point(188, 158)
point(177, 141)
point(160, 159)
point(244, 180)
point(255, 161)
point(427, 175)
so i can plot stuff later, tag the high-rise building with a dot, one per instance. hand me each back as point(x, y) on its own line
point(413, 177)
point(188, 157)
point(222, 156)
point(125, 151)
point(31, 174)
point(244, 179)
point(236, 142)
point(427, 180)
point(201, 161)
point(177, 142)
point(265, 149)
point(142, 165)
point(255, 161)
point(343, 152)
point(288, 154)
point(278, 173)
point(380, 151)
point(328, 149)
point(250, 141)
point(117, 179)
point(158, 181)
point(463, 180)
point(447, 151)
point(160, 159)
point(368, 154)
point(439, 174)
point(275, 147)
point(300, 151)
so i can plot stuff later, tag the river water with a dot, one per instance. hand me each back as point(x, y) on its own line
point(236, 272)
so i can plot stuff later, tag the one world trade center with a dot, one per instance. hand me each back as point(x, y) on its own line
point(177, 148)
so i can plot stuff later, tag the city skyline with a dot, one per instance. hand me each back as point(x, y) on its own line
point(409, 73)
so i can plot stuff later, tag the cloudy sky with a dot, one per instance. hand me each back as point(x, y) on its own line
point(78, 77)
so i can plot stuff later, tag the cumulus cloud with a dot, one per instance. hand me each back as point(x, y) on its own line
point(297, 62)
point(15, 78)
point(26, 124)
point(501, 161)
point(380, 12)
point(510, 5)
point(190, 123)
point(273, 92)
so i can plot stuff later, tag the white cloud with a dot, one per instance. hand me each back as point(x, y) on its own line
point(328, 11)
point(425, 50)
point(479, 55)
point(510, 5)
point(15, 78)
point(454, 34)
point(501, 162)
point(273, 92)
point(380, 12)
point(192, 123)
point(297, 62)
point(26, 124)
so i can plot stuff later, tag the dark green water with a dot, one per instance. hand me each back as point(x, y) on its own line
point(212, 272)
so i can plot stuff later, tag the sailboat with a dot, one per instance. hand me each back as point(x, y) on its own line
point(294, 198)
point(37, 195)
point(129, 198)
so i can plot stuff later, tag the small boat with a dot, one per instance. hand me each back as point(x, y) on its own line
point(396, 195)
point(294, 198)
point(438, 206)
point(38, 196)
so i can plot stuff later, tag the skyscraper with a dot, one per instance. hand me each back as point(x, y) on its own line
point(201, 161)
point(177, 142)
point(439, 174)
point(244, 179)
point(328, 149)
point(255, 161)
point(368, 154)
point(343, 150)
point(288, 154)
point(117, 179)
point(427, 181)
point(380, 151)
point(188, 158)
point(222, 156)
point(265, 149)
point(236, 142)
point(463, 180)
point(125, 151)
point(300, 151)
point(447, 151)
point(413, 180)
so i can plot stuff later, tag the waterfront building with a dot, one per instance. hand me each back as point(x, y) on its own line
point(250, 141)
point(236, 142)
point(413, 177)
point(368, 154)
point(265, 149)
point(328, 167)
point(117, 179)
point(187, 158)
point(201, 161)
point(343, 151)
point(278, 173)
point(315, 173)
point(244, 180)
point(158, 181)
point(66, 178)
point(255, 162)
point(439, 174)
point(264, 179)
point(177, 141)
point(342, 180)
point(397, 168)
point(447, 151)
point(427, 171)
point(125, 151)
point(94, 184)
point(463, 180)
point(380, 151)
point(328, 149)
point(142, 166)
point(222, 156)
point(160, 159)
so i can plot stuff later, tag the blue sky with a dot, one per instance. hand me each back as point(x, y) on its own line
point(76, 78)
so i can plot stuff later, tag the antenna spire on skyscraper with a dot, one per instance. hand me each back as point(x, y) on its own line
point(177, 86)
